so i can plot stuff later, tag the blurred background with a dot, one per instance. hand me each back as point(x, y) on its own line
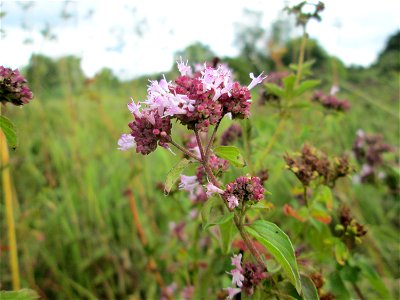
point(76, 195)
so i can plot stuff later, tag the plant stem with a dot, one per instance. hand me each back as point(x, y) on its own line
point(305, 195)
point(198, 139)
point(301, 56)
point(188, 153)
point(204, 161)
point(211, 141)
point(249, 244)
point(12, 240)
point(358, 291)
point(274, 137)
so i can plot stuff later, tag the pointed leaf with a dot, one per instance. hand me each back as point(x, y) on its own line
point(309, 290)
point(305, 86)
point(174, 174)
point(228, 231)
point(214, 212)
point(279, 245)
point(274, 89)
point(9, 131)
point(220, 219)
point(24, 294)
point(288, 83)
point(231, 154)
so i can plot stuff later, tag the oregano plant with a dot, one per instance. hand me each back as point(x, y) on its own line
point(199, 100)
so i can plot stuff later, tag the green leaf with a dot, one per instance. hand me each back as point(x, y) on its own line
point(299, 105)
point(341, 252)
point(305, 86)
point(324, 195)
point(288, 84)
point(24, 294)
point(338, 287)
point(309, 290)
point(9, 131)
point(174, 174)
point(279, 245)
point(374, 279)
point(274, 89)
point(221, 219)
point(214, 212)
point(227, 233)
point(231, 154)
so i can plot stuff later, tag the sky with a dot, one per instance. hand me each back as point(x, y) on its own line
point(140, 37)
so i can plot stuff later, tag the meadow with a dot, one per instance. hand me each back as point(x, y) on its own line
point(93, 222)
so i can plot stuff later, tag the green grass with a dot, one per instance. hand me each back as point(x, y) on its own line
point(75, 232)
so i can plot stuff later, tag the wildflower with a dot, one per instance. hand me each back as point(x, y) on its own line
point(253, 275)
point(126, 141)
point(150, 130)
point(255, 80)
point(237, 261)
point(188, 292)
point(13, 87)
point(330, 101)
point(232, 202)
point(231, 134)
point(183, 68)
point(188, 183)
point(237, 277)
point(193, 186)
point(232, 292)
point(212, 189)
point(243, 189)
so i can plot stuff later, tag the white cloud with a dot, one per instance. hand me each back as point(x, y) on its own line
point(109, 37)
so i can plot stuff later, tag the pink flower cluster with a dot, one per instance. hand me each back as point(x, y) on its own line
point(246, 277)
point(13, 87)
point(231, 134)
point(243, 189)
point(197, 100)
point(331, 102)
point(237, 276)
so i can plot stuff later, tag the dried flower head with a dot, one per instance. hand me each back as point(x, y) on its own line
point(313, 164)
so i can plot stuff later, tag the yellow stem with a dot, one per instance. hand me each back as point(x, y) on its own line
point(12, 241)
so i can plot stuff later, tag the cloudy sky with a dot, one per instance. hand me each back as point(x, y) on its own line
point(140, 37)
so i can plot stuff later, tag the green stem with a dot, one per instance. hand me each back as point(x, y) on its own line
point(274, 137)
point(305, 195)
point(301, 56)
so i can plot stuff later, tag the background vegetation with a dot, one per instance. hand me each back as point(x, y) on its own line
point(76, 195)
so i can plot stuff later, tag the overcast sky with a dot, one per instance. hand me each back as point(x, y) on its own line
point(140, 37)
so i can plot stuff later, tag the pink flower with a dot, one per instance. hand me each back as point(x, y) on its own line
point(183, 68)
point(126, 141)
point(237, 261)
point(237, 277)
point(135, 109)
point(188, 183)
point(233, 202)
point(256, 80)
point(212, 189)
point(232, 292)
